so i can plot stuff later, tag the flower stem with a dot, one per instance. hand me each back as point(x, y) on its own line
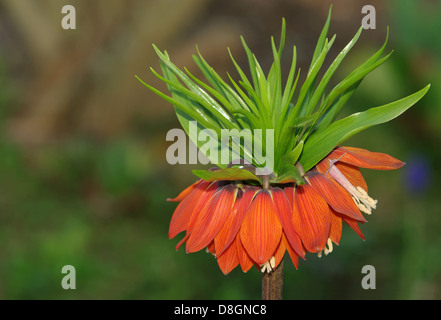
point(272, 284)
point(266, 182)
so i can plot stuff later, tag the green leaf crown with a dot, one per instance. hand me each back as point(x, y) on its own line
point(304, 124)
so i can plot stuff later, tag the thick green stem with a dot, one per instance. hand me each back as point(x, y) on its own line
point(272, 284)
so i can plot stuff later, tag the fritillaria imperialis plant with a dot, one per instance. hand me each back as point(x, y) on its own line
point(250, 213)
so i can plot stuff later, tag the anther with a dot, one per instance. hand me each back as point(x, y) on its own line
point(363, 201)
point(269, 265)
point(329, 249)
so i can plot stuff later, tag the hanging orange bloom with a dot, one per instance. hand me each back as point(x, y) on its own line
point(252, 208)
point(248, 225)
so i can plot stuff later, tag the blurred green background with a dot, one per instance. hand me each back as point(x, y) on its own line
point(83, 174)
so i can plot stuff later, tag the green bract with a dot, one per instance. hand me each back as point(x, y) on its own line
point(304, 124)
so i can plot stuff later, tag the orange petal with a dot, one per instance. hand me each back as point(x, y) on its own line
point(261, 230)
point(354, 225)
point(211, 218)
point(370, 160)
point(187, 191)
point(359, 158)
point(231, 227)
point(324, 165)
point(353, 175)
point(312, 217)
point(190, 206)
point(280, 253)
point(222, 239)
point(228, 260)
point(336, 228)
point(293, 255)
point(289, 191)
point(334, 194)
point(284, 213)
point(244, 259)
point(211, 248)
point(180, 243)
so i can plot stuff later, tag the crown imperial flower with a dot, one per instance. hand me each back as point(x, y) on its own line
point(247, 212)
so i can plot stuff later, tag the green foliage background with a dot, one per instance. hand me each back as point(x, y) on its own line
point(99, 204)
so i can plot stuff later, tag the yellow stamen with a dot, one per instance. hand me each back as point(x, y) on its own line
point(363, 201)
point(326, 250)
point(269, 265)
point(329, 249)
point(360, 196)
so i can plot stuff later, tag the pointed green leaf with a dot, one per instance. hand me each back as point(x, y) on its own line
point(208, 101)
point(291, 157)
point(289, 174)
point(321, 41)
point(320, 144)
point(220, 85)
point(182, 106)
point(289, 86)
point(251, 63)
point(318, 93)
